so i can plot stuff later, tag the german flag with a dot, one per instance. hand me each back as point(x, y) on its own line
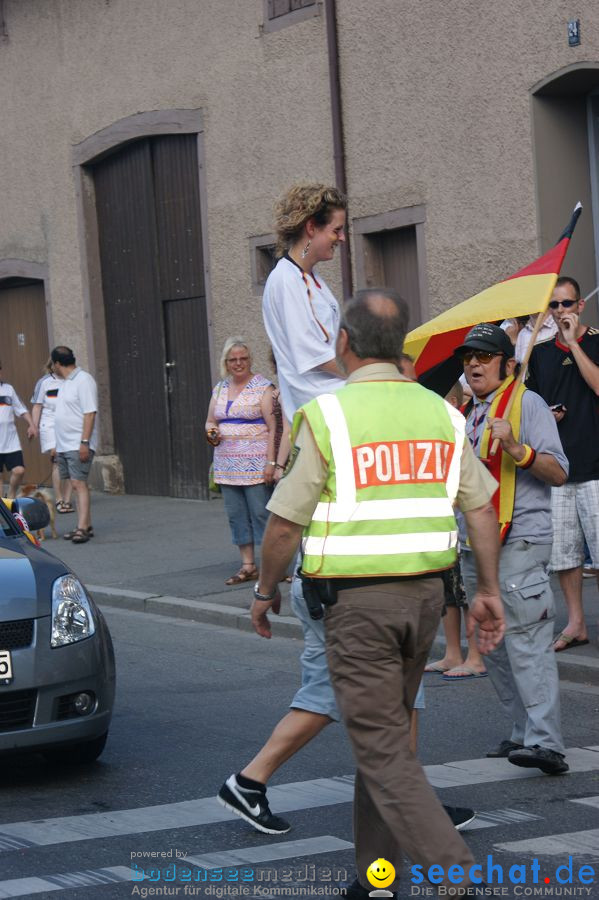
point(522, 294)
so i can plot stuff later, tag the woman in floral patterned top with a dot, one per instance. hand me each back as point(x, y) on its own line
point(241, 426)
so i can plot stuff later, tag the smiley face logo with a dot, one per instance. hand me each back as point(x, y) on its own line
point(380, 873)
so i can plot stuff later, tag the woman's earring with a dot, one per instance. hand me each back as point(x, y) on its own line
point(305, 250)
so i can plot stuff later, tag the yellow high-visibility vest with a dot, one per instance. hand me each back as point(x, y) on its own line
point(393, 451)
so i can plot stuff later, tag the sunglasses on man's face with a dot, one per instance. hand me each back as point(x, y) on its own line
point(555, 304)
point(483, 356)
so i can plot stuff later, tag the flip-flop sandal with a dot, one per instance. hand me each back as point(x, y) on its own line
point(437, 668)
point(242, 576)
point(469, 673)
point(569, 641)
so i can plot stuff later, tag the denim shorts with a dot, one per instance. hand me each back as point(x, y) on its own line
point(316, 693)
point(419, 701)
point(246, 511)
point(70, 466)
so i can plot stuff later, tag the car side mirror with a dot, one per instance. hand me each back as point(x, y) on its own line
point(35, 513)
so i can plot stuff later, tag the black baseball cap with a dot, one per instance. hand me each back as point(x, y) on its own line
point(487, 337)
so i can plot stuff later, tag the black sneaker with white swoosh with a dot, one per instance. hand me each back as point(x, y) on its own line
point(252, 806)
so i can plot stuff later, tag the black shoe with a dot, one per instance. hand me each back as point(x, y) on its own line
point(252, 806)
point(504, 749)
point(460, 816)
point(548, 761)
point(356, 892)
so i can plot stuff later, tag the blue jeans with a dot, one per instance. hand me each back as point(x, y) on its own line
point(246, 511)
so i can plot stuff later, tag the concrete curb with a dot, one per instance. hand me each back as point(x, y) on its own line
point(194, 610)
point(237, 617)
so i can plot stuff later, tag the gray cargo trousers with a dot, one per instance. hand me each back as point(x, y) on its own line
point(523, 669)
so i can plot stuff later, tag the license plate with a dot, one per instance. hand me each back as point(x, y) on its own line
point(5, 667)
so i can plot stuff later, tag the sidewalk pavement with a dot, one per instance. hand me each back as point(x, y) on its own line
point(169, 556)
point(163, 555)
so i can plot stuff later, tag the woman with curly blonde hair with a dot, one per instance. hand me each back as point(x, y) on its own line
point(301, 315)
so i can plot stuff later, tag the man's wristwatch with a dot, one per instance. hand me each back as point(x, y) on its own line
point(84, 442)
point(264, 597)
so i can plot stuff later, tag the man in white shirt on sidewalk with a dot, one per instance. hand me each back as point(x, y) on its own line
point(76, 434)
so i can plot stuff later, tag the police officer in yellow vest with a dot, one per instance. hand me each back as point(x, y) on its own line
point(374, 473)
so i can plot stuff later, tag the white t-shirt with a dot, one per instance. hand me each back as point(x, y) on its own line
point(78, 395)
point(46, 393)
point(547, 331)
point(303, 334)
point(10, 407)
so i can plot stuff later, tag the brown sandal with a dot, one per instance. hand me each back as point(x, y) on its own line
point(244, 574)
point(87, 533)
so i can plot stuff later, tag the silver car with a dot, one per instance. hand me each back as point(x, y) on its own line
point(57, 673)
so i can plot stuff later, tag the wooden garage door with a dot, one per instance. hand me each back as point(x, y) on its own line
point(148, 203)
point(23, 352)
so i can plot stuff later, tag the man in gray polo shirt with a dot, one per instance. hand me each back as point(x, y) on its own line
point(76, 434)
point(529, 460)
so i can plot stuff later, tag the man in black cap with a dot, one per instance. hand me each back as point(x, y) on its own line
point(529, 459)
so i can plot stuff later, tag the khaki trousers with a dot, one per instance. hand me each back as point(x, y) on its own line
point(378, 639)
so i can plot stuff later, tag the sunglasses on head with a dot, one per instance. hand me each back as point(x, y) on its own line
point(555, 304)
point(483, 356)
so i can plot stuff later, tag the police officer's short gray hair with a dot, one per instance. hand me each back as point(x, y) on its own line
point(376, 322)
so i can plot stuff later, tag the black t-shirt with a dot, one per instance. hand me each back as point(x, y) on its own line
point(553, 373)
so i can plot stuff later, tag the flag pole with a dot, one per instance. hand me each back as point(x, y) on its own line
point(592, 294)
point(536, 329)
point(522, 372)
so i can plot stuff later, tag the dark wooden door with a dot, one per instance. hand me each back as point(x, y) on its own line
point(187, 372)
point(147, 197)
point(23, 352)
point(399, 258)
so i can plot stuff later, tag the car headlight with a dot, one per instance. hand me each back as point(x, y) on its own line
point(72, 618)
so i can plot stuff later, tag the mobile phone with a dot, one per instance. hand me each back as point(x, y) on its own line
point(558, 407)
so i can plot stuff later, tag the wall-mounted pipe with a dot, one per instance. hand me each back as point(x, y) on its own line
point(330, 8)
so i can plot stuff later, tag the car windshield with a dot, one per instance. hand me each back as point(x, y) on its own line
point(8, 525)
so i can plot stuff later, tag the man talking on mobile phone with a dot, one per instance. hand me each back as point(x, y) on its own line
point(565, 372)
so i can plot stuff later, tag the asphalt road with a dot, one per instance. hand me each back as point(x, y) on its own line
point(194, 702)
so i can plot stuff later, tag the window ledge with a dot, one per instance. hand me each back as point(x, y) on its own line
point(291, 18)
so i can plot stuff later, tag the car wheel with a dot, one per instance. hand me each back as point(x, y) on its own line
point(78, 754)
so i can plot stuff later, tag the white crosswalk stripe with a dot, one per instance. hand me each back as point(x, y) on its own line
point(28, 887)
point(268, 852)
point(291, 797)
point(495, 817)
point(573, 843)
point(587, 801)
point(155, 872)
point(25, 837)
